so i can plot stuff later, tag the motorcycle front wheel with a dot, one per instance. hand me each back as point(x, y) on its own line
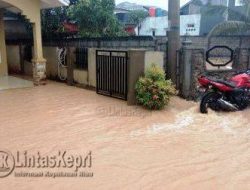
point(210, 100)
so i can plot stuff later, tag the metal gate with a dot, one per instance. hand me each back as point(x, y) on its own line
point(111, 73)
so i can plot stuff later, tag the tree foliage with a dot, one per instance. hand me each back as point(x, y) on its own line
point(95, 18)
point(137, 16)
point(52, 19)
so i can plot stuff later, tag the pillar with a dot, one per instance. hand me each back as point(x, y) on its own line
point(186, 70)
point(3, 54)
point(39, 63)
point(135, 71)
point(173, 38)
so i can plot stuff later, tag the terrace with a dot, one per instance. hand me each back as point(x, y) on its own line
point(31, 11)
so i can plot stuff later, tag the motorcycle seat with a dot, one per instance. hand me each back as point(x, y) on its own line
point(230, 84)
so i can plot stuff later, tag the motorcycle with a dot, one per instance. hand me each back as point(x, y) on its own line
point(221, 95)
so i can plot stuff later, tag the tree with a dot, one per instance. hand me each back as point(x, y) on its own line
point(95, 18)
point(52, 19)
point(137, 16)
point(239, 22)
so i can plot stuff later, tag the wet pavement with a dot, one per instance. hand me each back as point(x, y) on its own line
point(131, 148)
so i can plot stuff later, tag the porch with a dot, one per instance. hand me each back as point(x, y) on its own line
point(12, 82)
point(31, 11)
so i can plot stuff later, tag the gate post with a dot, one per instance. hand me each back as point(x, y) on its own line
point(186, 71)
point(135, 70)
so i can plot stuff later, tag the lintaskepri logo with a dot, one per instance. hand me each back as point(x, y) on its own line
point(25, 164)
point(7, 163)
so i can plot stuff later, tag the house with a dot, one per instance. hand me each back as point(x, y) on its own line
point(207, 21)
point(123, 17)
point(130, 6)
point(158, 26)
point(237, 9)
point(194, 6)
point(31, 10)
point(194, 19)
point(123, 10)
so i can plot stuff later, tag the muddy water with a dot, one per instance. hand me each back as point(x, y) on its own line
point(132, 148)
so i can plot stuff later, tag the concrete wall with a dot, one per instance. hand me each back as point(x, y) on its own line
point(154, 57)
point(92, 67)
point(139, 62)
point(81, 76)
point(158, 43)
point(50, 53)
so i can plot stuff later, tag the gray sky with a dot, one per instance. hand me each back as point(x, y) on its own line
point(159, 3)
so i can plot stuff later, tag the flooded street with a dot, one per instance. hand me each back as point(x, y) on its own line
point(132, 148)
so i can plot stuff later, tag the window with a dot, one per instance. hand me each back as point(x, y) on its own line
point(190, 25)
point(153, 32)
point(238, 3)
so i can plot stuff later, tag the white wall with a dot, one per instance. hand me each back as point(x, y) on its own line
point(187, 20)
point(160, 25)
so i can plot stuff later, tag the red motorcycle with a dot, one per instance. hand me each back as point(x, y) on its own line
point(220, 95)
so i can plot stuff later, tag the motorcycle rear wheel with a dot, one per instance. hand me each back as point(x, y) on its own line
point(209, 100)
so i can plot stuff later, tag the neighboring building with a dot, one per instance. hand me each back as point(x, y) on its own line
point(158, 26)
point(194, 20)
point(123, 10)
point(130, 6)
point(31, 10)
point(237, 9)
point(123, 17)
point(194, 6)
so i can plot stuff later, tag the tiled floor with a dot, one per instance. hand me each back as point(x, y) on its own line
point(10, 82)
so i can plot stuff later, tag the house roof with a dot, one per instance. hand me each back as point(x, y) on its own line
point(44, 5)
point(53, 3)
point(186, 4)
point(216, 2)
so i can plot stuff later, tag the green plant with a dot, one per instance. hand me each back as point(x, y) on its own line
point(95, 18)
point(153, 91)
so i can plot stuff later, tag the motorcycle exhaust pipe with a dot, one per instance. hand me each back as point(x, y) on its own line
point(225, 105)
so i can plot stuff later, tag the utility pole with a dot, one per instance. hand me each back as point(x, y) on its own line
point(174, 42)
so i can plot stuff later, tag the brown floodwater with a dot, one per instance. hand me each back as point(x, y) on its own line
point(132, 148)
